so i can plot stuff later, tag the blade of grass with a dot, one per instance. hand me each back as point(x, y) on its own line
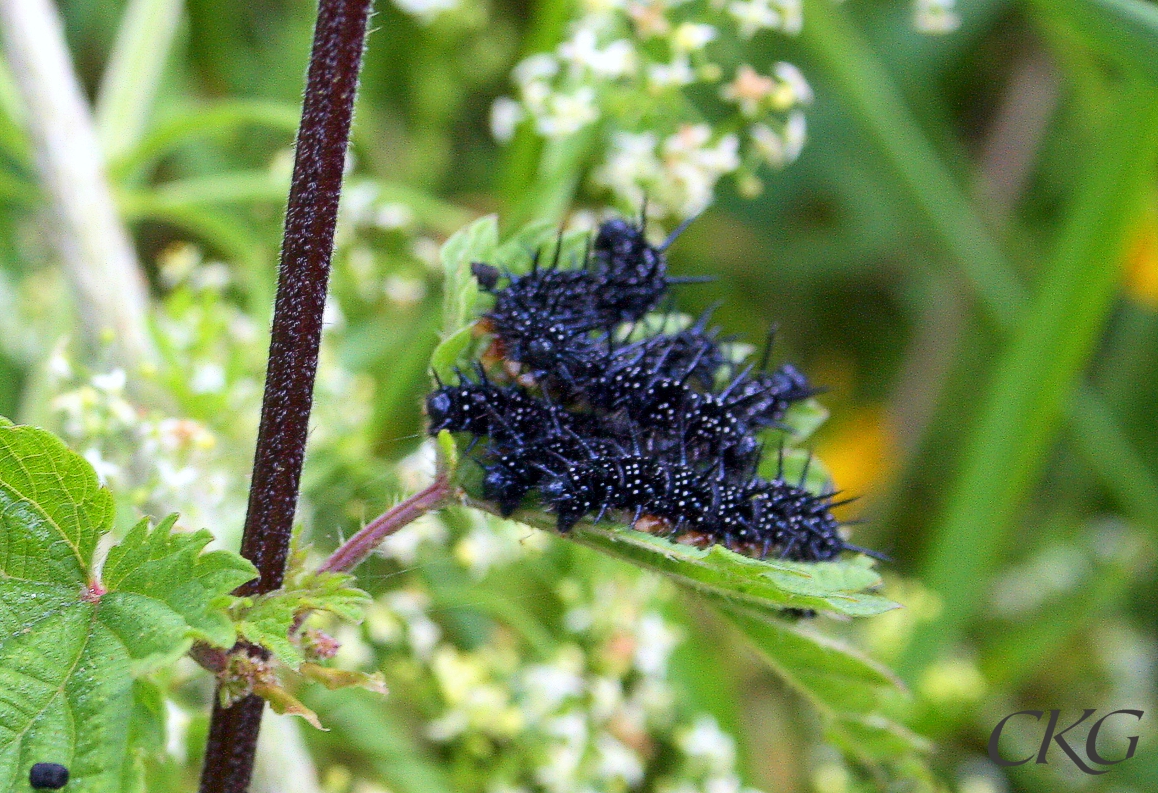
point(555, 182)
point(95, 248)
point(1113, 457)
point(525, 153)
point(224, 233)
point(136, 65)
point(1124, 31)
point(13, 119)
point(867, 89)
point(234, 187)
point(253, 187)
point(868, 92)
point(1036, 374)
point(221, 118)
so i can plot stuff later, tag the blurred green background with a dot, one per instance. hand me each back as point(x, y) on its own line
point(965, 255)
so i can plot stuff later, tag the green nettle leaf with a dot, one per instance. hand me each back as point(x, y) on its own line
point(848, 688)
point(449, 353)
point(479, 242)
point(269, 619)
point(833, 675)
point(476, 242)
point(274, 620)
point(72, 636)
point(839, 587)
point(541, 239)
point(802, 419)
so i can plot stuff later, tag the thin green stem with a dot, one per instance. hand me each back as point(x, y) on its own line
point(136, 65)
point(95, 248)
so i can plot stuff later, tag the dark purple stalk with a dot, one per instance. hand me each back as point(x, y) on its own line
point(311, 213)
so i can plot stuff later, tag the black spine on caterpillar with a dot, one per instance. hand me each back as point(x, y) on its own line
point(674, 415)
point(693, 353)
point(632, 273)
point(761, 400)
point(508, 478)
point(604, 478)
point(758, 517)
point(545, 318)
point(797, 523)
point(649, 427)
point(517, 466)
point(483, 408)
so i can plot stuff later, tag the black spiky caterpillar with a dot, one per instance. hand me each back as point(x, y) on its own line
point(662, 430)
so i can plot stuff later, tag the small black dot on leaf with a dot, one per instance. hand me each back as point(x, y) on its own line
point(48, 776)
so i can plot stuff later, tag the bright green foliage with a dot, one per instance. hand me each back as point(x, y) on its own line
point(273, 620)
point(72, 637)
point(269, 619)
point(1125, 31)
point(475, 243)
point(849, 689)
point(171, 568)
point(838, 587)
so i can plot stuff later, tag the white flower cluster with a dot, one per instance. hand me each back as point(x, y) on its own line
point(426, 10)
point(678, 174)
point(935, 16)
point(626, 62)
point(192, 457)
point(591, 710)
point(157, 464)
point(753, 16)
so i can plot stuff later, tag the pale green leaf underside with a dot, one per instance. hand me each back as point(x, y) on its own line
point(479, 242)
point(850, 689)
point(838, 587)
point(67, 661)
point(475, 243)
point(839, 679)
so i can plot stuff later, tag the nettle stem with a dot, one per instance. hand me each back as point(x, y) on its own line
point(311, 215)
point(354, 550)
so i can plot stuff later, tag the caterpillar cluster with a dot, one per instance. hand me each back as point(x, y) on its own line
point(664, 428)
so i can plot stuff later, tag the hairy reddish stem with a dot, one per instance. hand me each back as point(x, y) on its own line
point(355, 550)
point(311, 214)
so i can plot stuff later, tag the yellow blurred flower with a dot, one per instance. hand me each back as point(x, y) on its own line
point(859, 452)
point(1142, 264)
